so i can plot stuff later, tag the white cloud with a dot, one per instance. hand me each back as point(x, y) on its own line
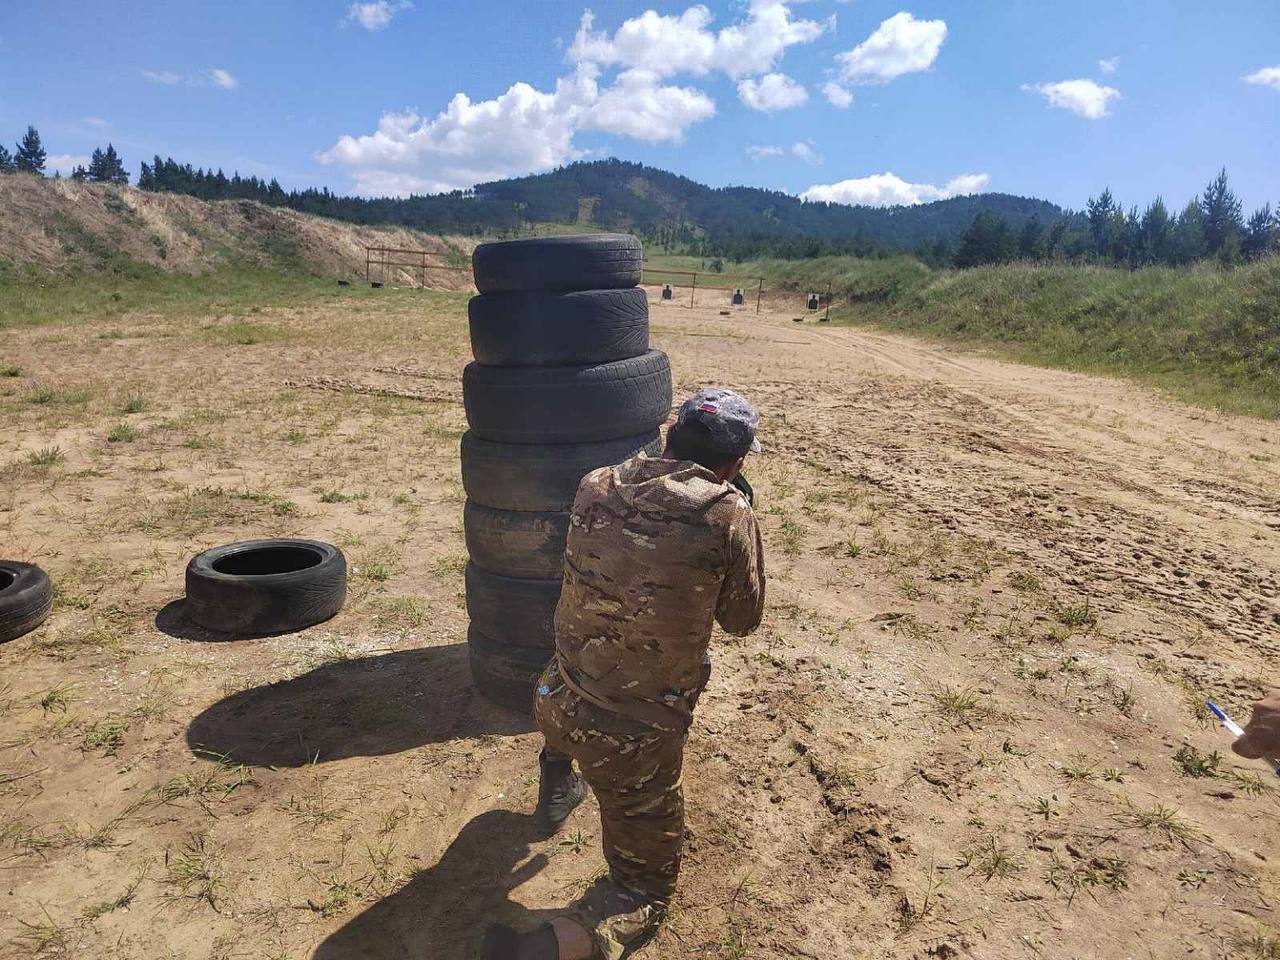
point(521, 131)
point(772, 92)
point(901, 44)
point(1082, 97)
point(1266, 77)
point(1110, 65)
point(837, 95)
point(64, 163)
point(377, 15)
point(668, 44)
point(639, 106)
point(96, 122)
point(216, 77)
point(803, 150)
point(888, 189)
point(761, 153)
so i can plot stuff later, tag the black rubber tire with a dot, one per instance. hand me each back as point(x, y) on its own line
point(509, 476)
point(504, 674)
point(597, 261)
point(516, 543)
point(604, 401)
point(235, 589)
point(515, 611)
point(559, 329)
point(26, 597)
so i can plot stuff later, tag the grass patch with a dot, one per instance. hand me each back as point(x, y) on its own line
point(29, 298)
point(45, 456)
point(121, 433)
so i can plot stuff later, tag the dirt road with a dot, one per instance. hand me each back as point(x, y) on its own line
point(971, 726)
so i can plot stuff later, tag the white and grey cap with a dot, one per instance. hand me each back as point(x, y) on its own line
point(729, 420)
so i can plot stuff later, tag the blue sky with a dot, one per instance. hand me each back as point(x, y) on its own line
point(855, 101)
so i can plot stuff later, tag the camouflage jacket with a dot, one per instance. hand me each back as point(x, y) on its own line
point(657, 551)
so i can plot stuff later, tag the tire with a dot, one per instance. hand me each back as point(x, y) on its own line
point(559, 329)
point(26, 597)
point(263, 587)
point(568, 404)
point(516, 543)
point(514, 611)
point(505, 675)
point(508, 476)
point(598, 261)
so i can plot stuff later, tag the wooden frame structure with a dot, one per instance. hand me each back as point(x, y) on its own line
point(758, 281)
point(401, 258)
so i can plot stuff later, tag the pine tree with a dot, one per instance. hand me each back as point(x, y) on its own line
point(95, 171)
point(1099, 213)
point(1188, 236)
point(79, 173)
point(1156, 230)
point(1261, 232)
point(987, 240)
point(114, 167)
point(30, 157)
point(6, 161)
point(1031, 242)
point(1223, 220)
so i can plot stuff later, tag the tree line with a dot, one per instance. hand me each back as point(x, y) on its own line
point(679, 215)
point(1211, 226)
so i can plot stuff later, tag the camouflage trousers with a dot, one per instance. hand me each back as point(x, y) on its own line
point(634, 771)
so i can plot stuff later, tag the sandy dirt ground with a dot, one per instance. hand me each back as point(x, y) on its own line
point(970, 726)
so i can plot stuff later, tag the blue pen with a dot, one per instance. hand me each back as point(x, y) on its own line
point(1236, 730)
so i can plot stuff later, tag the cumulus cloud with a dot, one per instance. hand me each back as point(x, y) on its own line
point(1110, 65)
point(167, 77)
point(761, 153)
point(772, 92)
point(1084, 98)
point(837, 95)
point(378, 15)
point(639, 106)
point(669, 44)
point(1266, 77)
point(64, 163)
point(96, 122)
point(888, 190)
point(901, 44)
point(526, 130)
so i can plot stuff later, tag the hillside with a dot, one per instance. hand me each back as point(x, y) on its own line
point(68, 227)
point(666, 210)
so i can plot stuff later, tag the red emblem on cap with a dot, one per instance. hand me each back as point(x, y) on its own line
point(708, 407)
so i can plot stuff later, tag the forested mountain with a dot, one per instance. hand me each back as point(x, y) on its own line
point(665, 209)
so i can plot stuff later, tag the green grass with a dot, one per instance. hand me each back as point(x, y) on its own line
point(1206, 334)
point(30, 297)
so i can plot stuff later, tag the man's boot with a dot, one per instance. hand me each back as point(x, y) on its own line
point(560, 789)
point(503, 943)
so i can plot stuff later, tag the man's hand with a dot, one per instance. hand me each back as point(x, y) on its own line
point(1262, 732)
point(741, 483)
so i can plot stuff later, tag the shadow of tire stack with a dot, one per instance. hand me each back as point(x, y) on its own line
point(564, 382)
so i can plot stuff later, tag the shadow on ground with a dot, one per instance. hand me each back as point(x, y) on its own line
point(442, 912)
point(363, 707)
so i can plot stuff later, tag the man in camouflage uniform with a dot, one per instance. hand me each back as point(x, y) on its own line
point(658, 549)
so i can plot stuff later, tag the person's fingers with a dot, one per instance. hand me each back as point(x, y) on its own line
point(1245, 748)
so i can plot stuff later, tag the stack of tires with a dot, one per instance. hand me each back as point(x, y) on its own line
point(564, 382)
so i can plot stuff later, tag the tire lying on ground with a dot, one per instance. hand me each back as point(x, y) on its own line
point(533, 477)
point(568, 404)
point(603, 261)
point(516, 543)
point(26, 597)
point(543, 329)
point(260, 587)
point(514, 611)
point(505, 674)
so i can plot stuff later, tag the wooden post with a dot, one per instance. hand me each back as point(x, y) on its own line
point(694, 289)
point(367, 253)
point(759, 294)
point(827, 315)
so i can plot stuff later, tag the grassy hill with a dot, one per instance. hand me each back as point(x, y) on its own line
point(1207, 334)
